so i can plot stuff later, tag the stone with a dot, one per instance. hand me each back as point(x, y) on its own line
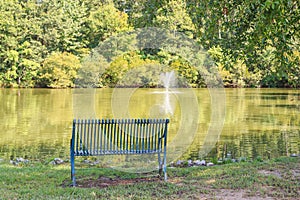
point(190, 163)
point(18, 161)
point(58, 161)
point(210, 164)
point(172, 164)
point(197, 162)
point(203, 162)
point(96, 162)
point(13, 162)
point(52, 162)
point(179, 163)
point(22, 160)
point(87, 162)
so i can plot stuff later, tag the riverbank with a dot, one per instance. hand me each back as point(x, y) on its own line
point(273, 179)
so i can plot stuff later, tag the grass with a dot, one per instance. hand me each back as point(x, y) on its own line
point(277, 179)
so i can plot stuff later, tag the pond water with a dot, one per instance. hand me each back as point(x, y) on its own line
point(37, 123)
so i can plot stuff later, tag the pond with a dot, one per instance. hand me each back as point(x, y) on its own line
point(37, 123)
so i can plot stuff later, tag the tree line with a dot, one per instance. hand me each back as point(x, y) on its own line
point(44, 43)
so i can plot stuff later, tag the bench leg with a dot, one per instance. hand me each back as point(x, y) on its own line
point(159, 164)
point(73, 171)
point(165, 167)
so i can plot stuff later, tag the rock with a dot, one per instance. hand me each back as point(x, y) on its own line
point(210, 164)
point(19, 161)
point(190, 163)
point(294, 155)
point(96, 162)
point(172, 164)
point(87, 162)
point(13, 162)
point(52, 162)
point(22, 160)
point(203, 162)
point(179, 163)
point(58, 161)
point(197, 162)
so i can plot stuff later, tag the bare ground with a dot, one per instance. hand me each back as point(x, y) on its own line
point(219, 194)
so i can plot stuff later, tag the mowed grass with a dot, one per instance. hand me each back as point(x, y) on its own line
point(277, 179)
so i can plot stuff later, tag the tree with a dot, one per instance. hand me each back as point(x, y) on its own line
point(59, 70)
point(104, 22)
point(245, 30)
point(63, 26)
point(173, 16)
point(20, 52)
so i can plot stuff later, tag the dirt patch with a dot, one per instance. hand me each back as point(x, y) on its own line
point(273, 173)
point(227, 194)
point(103, 182)
point(203, 193)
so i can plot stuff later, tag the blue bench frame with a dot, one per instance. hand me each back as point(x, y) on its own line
point(119, 137)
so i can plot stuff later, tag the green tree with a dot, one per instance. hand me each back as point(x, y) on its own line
point(141, 14)
point(63, 26)
point(104, 22)
point(114, 74)
point(246, 30)
point(174, 17)
point(59, 70)
point(20, 51)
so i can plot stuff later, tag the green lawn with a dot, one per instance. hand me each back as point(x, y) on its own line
point(278, 179)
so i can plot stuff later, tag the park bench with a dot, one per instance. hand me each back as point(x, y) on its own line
point(119, 137)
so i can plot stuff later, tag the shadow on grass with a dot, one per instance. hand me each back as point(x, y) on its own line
point(104, 182)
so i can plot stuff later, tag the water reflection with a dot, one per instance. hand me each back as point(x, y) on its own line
point(36, 123)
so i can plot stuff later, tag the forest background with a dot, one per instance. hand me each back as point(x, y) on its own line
point(46, 43)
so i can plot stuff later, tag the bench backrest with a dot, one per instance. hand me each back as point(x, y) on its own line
point(118, 136)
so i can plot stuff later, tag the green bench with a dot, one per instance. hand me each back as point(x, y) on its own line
point(119, 137)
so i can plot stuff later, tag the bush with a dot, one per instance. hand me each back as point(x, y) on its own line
point(59, 70)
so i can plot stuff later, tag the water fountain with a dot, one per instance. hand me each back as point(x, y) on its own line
point(169, 80)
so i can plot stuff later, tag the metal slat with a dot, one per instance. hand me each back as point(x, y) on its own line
point(95, 137)
point(147, 137)
point(118, 137)
point(131, 136)
point(155, 135)
point(160, 133)
point(152, 136)
point(104, 138)
point(143, 135)
point(121, 136)
point(77, 132)
point(126, 135)
point(134, 137)
point(98, 137)
point(101, 136)
point(112, 136)
point(90, 136)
